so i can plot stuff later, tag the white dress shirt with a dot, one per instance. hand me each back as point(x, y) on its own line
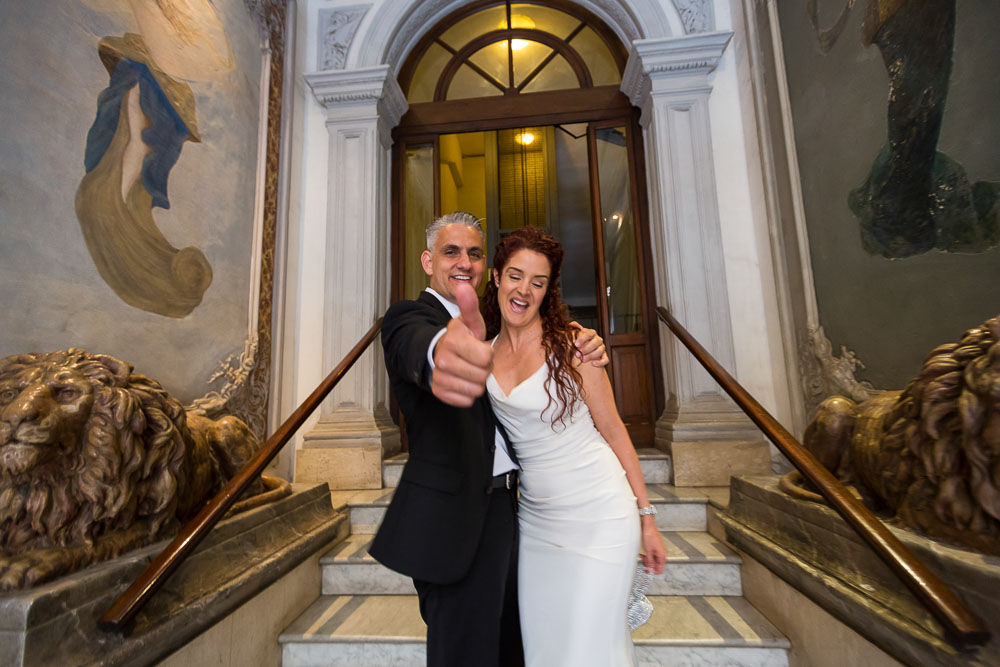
point(502, 462)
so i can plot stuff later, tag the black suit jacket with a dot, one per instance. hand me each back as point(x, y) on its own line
point(435, 521)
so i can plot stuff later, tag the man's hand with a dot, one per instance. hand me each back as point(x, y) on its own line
point(589, 346)
point(462, 360)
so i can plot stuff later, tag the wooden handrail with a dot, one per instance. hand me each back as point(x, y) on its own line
point(129, 603)
point(958, 621)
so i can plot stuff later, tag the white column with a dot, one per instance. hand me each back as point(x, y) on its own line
point(668, 79)
point(354, 433)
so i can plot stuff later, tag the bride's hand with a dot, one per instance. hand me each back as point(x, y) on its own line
point(654, 555)
point(589, 346)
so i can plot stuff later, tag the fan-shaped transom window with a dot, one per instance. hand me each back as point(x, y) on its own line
point(510, 48)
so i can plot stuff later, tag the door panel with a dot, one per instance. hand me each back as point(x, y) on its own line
point(634, 403)
point(624, 308)
point(419, 186)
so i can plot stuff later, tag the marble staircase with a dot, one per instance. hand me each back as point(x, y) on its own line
point(368, 615)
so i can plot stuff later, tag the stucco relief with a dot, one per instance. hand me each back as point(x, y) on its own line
point(696, 15)
point(823, 375)
point(337, 28)
point(236, 371)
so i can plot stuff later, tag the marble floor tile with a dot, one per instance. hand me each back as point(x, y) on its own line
point(353, 654)
point(707, 620)
point(700, 656)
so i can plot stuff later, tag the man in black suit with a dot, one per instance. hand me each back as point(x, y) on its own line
point(452, 523)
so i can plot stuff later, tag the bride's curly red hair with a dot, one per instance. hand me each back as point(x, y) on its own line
point(557, 335)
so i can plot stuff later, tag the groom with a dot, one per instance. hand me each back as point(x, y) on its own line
point(452, 523)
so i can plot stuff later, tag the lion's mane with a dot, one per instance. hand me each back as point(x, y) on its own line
point(945, 427)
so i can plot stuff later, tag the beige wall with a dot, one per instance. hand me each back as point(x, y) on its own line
point(249, 635)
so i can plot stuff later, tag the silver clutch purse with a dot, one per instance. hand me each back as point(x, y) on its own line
point(639, 607)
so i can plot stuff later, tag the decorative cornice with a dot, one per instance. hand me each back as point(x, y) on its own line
point(657, 61)
point(370, 85)
point(337, 28)
point(696, 15)
point(677, 54)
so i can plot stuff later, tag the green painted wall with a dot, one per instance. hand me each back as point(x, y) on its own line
point(891, 312)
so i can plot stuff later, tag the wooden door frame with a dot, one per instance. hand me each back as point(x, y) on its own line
point(637, 195)
point(423, 125)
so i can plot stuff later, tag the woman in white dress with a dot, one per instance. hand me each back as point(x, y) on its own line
point(583, 506)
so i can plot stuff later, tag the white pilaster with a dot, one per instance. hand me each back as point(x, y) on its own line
point(348, 443)
point(668, 80)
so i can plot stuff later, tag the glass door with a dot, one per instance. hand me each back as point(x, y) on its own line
point(622, 288)
point(576, 181)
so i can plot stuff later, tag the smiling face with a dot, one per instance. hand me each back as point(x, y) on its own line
point(522, 287)
point(458, 257)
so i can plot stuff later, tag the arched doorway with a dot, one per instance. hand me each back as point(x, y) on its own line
point(515, 115)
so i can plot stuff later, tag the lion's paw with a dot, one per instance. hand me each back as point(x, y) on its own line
point(32, 568)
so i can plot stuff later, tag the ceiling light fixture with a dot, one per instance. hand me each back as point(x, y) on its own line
point(519, 21)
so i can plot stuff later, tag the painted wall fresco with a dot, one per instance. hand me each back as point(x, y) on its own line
point(895, 110)
point(127, 181)
point(916, 198)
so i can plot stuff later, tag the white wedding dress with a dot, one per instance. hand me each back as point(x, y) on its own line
point(579, 536)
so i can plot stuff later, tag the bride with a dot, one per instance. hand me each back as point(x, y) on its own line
point(583, 505)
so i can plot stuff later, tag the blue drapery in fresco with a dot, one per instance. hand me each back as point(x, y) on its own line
point(129, 250)
point(165, 135)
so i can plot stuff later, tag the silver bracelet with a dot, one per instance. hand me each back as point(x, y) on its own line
point(648, 510)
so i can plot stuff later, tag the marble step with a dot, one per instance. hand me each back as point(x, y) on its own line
point(678, 508)
point(392, 468)
point(655, 467)
point(697, 564)
point(376, 630)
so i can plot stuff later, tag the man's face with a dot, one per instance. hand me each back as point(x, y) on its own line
point(458, 257)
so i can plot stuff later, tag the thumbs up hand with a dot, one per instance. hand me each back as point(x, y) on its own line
point(468, 303)
point(462, 359)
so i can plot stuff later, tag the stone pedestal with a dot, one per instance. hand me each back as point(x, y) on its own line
point(813, 549)
point(713, 462)
point(56, 624)
point(348, 453)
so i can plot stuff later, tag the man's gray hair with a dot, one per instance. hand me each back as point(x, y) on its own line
point(456, 218)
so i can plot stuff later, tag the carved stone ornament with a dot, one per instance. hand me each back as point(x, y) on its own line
point(823, 374)
point(96, 460)
point(235, 372)
point(336, 32)
point(696, 15)
point(930, 454)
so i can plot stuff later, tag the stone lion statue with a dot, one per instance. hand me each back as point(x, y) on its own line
point(96, 460)
point(929, 454)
